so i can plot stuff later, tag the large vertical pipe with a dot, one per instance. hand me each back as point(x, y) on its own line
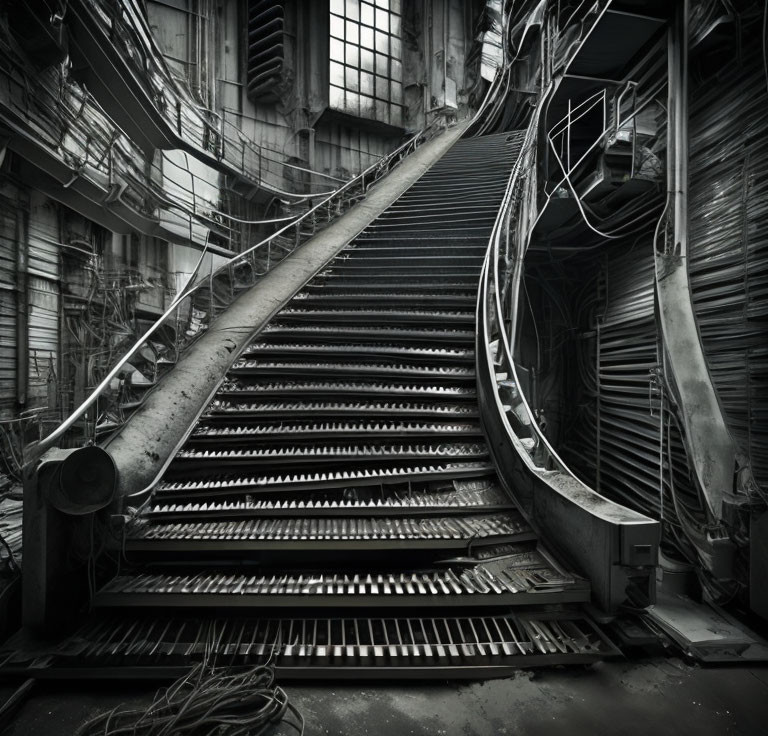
point(710, 448)
point(677, 101)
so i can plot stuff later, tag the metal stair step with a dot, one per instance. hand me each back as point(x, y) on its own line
point(453, 532)
point(237, 485)
point(345, 369)
point(465, 497)
point(349, 388)
point(366, 333)
point(522, 579)
point(361, 297)
point(339, 317)
point(323, 429)
point(315, 453)
point(395, 647)
point(405, 353)
point(226, 409)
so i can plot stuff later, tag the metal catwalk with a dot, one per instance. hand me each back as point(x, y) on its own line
point(336, 502)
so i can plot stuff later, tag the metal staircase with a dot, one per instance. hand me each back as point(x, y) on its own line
point(341, 470)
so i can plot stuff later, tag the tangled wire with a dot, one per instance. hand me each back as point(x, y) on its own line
point(208, 700)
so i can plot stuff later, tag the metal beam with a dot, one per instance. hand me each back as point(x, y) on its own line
point(710, 447)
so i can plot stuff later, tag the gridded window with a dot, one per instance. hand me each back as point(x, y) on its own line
point(366, 72)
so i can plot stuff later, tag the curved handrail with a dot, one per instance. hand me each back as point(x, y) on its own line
point(377, 169)
point(491, 314)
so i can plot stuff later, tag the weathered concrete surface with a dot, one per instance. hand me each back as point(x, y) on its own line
point(652, 697)
point(145, 445)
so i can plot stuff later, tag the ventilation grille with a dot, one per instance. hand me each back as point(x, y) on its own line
point(266, 26)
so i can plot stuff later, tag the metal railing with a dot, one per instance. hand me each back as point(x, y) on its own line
point(196, 305)
point(205, 132)
point(502, 274)
point(497, 311)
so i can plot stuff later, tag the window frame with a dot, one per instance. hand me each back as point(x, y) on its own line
point(361, 91)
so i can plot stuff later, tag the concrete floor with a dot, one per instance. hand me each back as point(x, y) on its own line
point(649, 697)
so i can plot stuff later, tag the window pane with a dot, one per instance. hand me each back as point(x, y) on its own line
point(353, 103)
point(382, 19)
point(366, 84)
point(337, 50)
point(367, 107)
point(353, 58)
point(353, 9)
point(382, 42)
point(396, 71)
point(394, 25)
point(396, 48)
point(394, 6)
point(337, 74)
point(382, 109)
point(382, 66)
point(337, 6)
point(352, 32)
point(382, 3)
point(337, 26)
point(396, 115)
point(397, 92)
point(336, 98)
point(366, 37)
point(382, 88)
point(366, 14)
point(352, 79)
point(366, 60)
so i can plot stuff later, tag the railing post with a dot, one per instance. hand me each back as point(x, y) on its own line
point(568, 140)
point(598, 427)
point(211, 308)
point(176, 351)
point(222, 135)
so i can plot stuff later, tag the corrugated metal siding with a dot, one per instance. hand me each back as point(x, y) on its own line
point(7, 308)
point(43, 295)
point(621, 429)
point(623, 421)
point(728, 244)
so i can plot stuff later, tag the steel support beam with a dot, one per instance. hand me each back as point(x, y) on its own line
point(710, 447)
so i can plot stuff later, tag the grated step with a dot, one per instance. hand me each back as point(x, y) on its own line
point(350, 388)
point(237, 485)
point(405, 352)
point(470, 496)
point(342, 369)
point(455, 647)
point(518, 579)
point(345, 333)
point(320, 429)
point(375, 532)
point(226, 409)
point(351, 453)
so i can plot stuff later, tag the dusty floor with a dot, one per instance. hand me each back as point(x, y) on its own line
point(653, 697)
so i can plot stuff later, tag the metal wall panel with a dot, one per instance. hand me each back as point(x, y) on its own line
point(728, 262)
point(7, 308)
point(43, 300)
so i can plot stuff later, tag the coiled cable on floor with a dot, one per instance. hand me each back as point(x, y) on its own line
point(226, 701)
